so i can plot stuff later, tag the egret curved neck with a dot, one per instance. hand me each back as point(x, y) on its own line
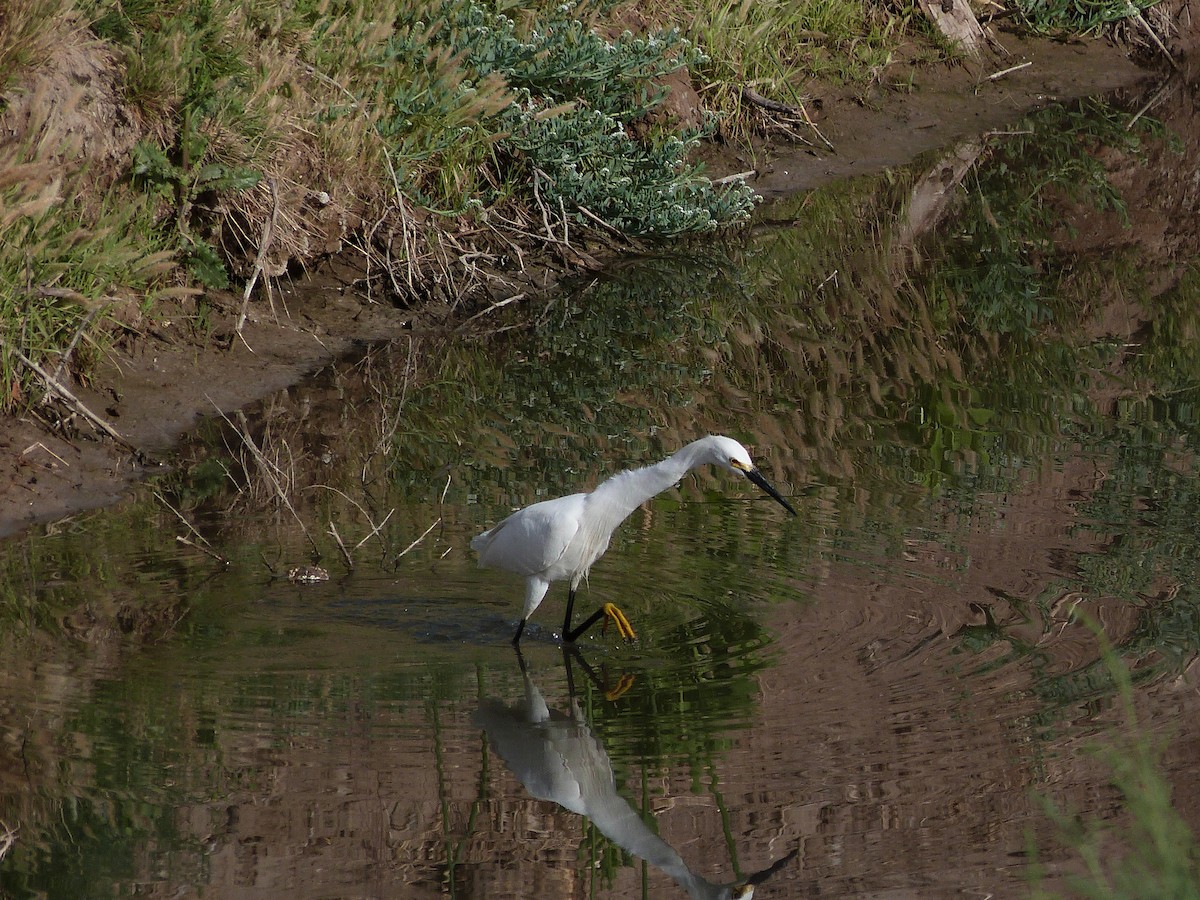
point(623, 493)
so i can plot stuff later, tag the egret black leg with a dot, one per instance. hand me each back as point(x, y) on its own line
point(567, 620)
point(572, 635)
point(517, 637)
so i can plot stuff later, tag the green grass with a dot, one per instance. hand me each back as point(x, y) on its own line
point(61, 264)
point(779, 49)
point(1153, 854)
point(1078, 16)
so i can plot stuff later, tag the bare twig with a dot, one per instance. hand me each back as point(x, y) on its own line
point(36, 444)
point(495, 306)
point(998, 75)
point(263, 246)
point(418, 540)
point(599, 221)
point(190, 527)
point(537, 196)
point(341, 546)
point(753, 96)
point(1135, 13)
point(817, 131)
point(183, 539)
point(375, 529)
point(65, 357)
point(1167, 87)
point(66, 396)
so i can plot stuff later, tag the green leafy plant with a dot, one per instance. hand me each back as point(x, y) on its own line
point(565, 125)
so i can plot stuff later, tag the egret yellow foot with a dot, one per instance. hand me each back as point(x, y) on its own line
point(618, 619)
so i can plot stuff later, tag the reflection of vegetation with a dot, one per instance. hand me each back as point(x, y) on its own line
point(1142, 514)
point(1162, 858)
point(1002, 269)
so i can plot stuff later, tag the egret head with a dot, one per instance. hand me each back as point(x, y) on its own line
point(729, 454)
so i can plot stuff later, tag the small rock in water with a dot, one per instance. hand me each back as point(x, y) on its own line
point(307, 574)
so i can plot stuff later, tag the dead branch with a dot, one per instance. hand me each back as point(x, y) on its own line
point(263, 246)
point(186, 541)
point(1136, 14)
point(341, 546)
point(67, 397)
point(753, 96)
point(190, 527)
point(424, 534)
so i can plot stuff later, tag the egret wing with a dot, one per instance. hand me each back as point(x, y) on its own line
point(532, 539)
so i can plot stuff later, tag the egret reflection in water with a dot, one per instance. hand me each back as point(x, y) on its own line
point(557, 757)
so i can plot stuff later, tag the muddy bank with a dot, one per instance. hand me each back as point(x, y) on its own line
point(156, 384)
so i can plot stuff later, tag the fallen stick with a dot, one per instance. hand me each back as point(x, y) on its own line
point(341, 546)
point(753, 96)
point(996, 75)
point(184, 539)
point(766, 103)
point(1141, 20)
point(67, 397)
point(418, 540)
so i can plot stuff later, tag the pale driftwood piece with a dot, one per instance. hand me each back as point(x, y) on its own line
point(996, 76)
point(737, 176)
point(955, 20)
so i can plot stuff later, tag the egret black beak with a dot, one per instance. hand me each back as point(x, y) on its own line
point(756, 476)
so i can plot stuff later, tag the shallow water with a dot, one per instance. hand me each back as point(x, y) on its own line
point(991, 441)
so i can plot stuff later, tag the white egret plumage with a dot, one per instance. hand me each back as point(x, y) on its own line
point(560, 539)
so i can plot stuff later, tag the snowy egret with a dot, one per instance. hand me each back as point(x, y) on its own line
point(561, 538)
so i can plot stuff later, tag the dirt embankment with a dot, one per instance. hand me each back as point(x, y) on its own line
point(163, 377)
